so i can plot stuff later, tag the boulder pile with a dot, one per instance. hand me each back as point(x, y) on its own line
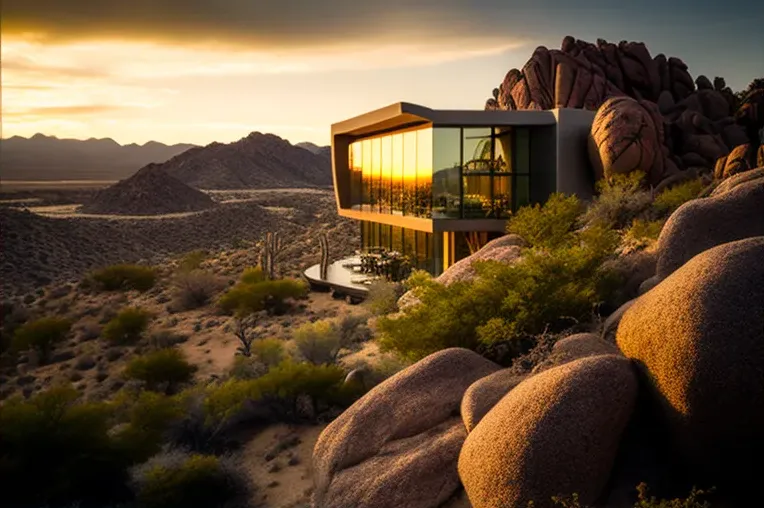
point(696, 122)
point(684, 360)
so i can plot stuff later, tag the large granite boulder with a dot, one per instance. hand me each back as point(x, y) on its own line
point(698, 340)
point(700, 123)
point(742, 158)
point(505, 249)
point(625, 138)
point(398, 445)
point(703, 223)
point(735, 180)
point(555, 433)
point(484, 393)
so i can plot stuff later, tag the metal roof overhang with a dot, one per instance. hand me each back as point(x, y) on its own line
point(403, 114)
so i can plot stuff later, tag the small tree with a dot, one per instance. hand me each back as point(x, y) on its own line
point(244, 329)
point(319, 342)
point(128, 326)
point(158, 368)
point(41, 335)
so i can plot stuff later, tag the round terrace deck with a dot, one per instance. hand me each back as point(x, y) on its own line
point(341, 278)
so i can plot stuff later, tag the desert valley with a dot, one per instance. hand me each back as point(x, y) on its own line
point(161, 346)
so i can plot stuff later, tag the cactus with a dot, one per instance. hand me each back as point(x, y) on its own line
point(324, 241)
point(270, 253)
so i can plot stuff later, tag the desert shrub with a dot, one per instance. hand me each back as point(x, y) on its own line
point(549, 289)
point(674, 197)
point(247, 367)
point(318, 342)
point(163, 368)
point(178, 479)
point(270, 352)
point(275, 394)
point(192, 261)
point(194, 289)
point(162, 339)
point(621, 199)
point(89, 329)
point(354, 328)
point(125, 277)
point(549, 225)
point(253, 275)
point(57, 450)
point(641, 234)
point(41, 335)
point(268, 295)
point(383, 296)
point(693, 500)
point(12, 315)
point(148, 416)
point(127, 326)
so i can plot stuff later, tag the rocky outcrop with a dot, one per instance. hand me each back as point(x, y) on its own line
point(398, 445)
point(151, 191)
point(505, 249)
point(703, 223)
point(742, 158)
point(555, 433)
point(699, 117)
point(484, 393)
point(698, 339)
point(610, 326)
point(735, 180)
point(627, 136)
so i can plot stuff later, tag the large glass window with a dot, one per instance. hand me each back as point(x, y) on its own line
point(409, 173)
point(376, 173)
point(502, 154)
point(366, 176)
point(476, 170)
point(355, 163)
point(424, 173)
point(409, 245)
point(397, 244)
point(397, 174)
point(385, 189)
point(447, 156)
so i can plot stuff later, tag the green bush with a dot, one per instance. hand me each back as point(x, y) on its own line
point(41, 335)
point(195, 288)
point(318, 342)
point(166, 367)
point(128, 326)
point(192, 261)
point(178, 479)
point(671, 199)
point(621, 199)
point(354, 329)
point(383, 296)
point(549, 225)
point(268, 295)
point(693, 500)
point(253, 275)
point(641, 234)
point(270, 352)
point(556, 284)
point(148, 417)
point(247, 367)
point(57, 450)
point(277, 392)
point(125, 277)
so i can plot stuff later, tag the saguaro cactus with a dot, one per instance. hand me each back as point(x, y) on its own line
point(323, 239)
point(270, 253)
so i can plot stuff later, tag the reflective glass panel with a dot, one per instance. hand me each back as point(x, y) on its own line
point(424, 173)
point(446, 171)
point(397, 174)
point(366, 174)
point(355, 163)
point(385, 200)
point(376, 172)
point(409, 173)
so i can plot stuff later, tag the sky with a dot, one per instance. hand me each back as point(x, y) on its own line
point(199, 71)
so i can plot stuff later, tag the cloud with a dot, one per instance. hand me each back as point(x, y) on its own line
point(282, 24)
point(62, 111)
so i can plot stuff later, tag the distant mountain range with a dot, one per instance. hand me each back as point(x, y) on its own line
point(50, 158)
point(256, 161)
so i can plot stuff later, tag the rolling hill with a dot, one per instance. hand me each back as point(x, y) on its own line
point(50, 158)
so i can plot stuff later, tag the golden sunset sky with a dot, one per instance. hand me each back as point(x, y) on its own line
point(201, 71)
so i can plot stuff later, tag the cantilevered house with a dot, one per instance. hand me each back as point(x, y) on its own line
point(438, 184)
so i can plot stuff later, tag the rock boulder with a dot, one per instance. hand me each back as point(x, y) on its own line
point(555, 433)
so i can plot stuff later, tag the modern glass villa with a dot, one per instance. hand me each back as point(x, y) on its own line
point(437, 185)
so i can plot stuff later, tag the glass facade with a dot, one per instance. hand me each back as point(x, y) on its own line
point(443, 172)
point(417, 245)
